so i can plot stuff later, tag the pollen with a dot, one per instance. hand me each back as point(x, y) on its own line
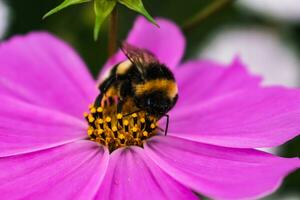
point(117, 130)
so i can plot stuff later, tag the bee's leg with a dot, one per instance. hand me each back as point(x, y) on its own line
point(110, 100)
point(120, 105)
point(124, 91)
point(103, 87)
point(137, 111)
point(98, 100)
point(159, 128)
point(167, 124)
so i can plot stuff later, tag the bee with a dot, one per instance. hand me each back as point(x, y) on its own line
point(142, 80)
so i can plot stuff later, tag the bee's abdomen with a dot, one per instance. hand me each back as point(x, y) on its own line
point(169, 87)
point(158, 79)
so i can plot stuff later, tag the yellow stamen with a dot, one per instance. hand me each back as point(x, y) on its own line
point(121, 136)
point(114, 129)
point(108, 119)
point(93, 110)
point(90, 130)
point(99, 121)
point(145, 134)
point(142, 120)
point(152, 126)
point(126, 122)
point(119, 116)
point(98, 131)
point(134, 129)
point(91, 118)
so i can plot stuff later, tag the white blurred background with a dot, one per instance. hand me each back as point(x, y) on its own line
point(4, 18)
point(261, 49)
point(282, 10)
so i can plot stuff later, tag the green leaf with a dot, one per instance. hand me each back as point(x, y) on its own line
point(102, 9)
point(63, 5)
point(137, 5)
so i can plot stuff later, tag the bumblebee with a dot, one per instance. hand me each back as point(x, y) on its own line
point(143, 81)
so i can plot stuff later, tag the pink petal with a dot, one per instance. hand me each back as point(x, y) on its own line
point(220, 172)
point(245, 119)
point(199, 81)
point(72, 171)
point(25, 127)
point(166, 42)
point(132, 175)
point(44, 71)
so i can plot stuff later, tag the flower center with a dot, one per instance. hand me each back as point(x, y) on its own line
point(116, 130)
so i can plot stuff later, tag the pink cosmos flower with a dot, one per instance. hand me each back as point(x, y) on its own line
point(221, 116)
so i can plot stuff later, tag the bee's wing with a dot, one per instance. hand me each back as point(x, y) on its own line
point(139, 57)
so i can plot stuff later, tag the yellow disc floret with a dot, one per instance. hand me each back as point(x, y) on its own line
point(116, 130)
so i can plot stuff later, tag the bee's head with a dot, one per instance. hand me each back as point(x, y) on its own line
point(155, 103)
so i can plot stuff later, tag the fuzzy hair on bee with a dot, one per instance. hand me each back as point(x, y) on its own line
point(143, 81)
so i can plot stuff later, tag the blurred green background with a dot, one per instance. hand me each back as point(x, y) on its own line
point(75, 26)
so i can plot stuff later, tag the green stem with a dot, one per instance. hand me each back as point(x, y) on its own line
point(208, 11)
point(112, 33)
